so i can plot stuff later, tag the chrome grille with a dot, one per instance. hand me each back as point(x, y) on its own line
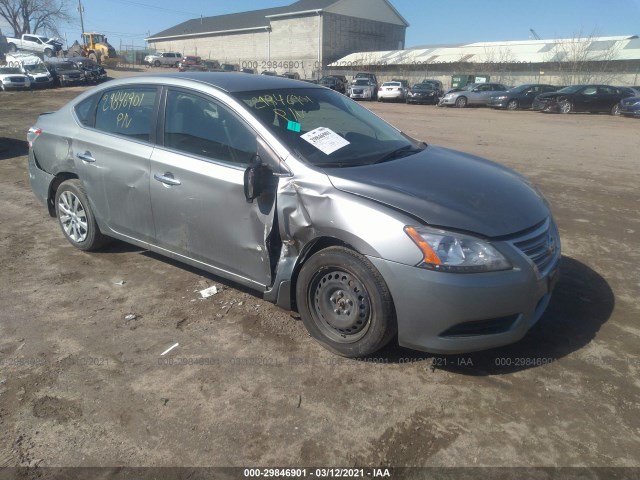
point(542, 246)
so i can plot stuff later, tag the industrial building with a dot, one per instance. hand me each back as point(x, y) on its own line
point(614, 60)
point(301, 37)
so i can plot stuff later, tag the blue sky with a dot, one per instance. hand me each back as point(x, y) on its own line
point(432, 22)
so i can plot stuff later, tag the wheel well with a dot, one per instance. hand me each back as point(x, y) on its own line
point(308, 251)
point(53, 188)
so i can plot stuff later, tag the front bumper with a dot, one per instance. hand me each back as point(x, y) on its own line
point(16, 86)
point(422, 99)
point(448, 100)
point(456, 313)
point(363, 95)
point(632, 111)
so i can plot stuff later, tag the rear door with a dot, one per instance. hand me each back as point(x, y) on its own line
point(197, 188)
point(112, 156)
point(609, 96)
point(587, 100)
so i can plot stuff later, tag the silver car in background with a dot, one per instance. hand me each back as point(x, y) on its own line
point(473, 94)
point(362, 89)
point(300, 193)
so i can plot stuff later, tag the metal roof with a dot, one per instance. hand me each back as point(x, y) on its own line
point(519, 51)
point(253, 20)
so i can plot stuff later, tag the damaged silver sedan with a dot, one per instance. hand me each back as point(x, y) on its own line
point(302, 194)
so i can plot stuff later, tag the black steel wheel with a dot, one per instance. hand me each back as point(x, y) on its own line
point(345, 303)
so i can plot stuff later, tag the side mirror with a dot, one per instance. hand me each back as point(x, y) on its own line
point(255, 179)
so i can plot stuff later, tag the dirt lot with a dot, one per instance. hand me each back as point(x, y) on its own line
point(80, 385)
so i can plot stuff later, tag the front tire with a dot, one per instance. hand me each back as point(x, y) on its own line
point(461, 102)
point(565, 106)
point(345, 303)
point(512, 105)
point(156, 63)
point(76, 218)
point(13, 48)
point(48, 52)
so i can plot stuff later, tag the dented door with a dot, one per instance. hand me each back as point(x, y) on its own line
point(197, 190)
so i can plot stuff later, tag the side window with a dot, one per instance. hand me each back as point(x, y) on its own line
point(607, 91)
point(86, 110)
point(590, 91)
point(201, 126)
point(127, 112)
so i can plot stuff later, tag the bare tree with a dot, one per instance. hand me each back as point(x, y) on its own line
point(33, 16)
point(584, 58)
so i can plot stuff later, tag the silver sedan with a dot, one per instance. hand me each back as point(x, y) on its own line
point(473, 94)
point(300, 193)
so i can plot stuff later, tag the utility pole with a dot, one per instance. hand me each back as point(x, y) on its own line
point(80, 9)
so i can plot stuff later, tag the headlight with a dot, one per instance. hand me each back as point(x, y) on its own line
point(456, 253)
point(448, 95)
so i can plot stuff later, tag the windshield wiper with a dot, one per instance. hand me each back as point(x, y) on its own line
point(398, 153)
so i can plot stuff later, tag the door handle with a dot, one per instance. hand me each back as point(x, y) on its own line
point(86, 157)
point(167, 179)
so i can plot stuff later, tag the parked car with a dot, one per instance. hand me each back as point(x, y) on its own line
point(229, 67)
point(291, 75)
point(372, 79)
point(437, 86)
point(520, 97)
point(362, 88)
point(333, 83)
point(210, 65)
point(188, 61)
point(392, 91)
point(478, 94)
point(422, 93)
point(93, 73)
point(163, 59)
point(65, 73)
point(582, 98)
point(630, 106)
point(635, 91)
point(12, 78)
point(48, 47)
point(251, 71)
point(269, 73)
point(32, 66)
point(370, 234)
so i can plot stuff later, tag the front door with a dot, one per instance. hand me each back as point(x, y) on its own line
point(197, 189)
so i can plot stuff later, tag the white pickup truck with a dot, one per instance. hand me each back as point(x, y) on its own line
point(35, 43)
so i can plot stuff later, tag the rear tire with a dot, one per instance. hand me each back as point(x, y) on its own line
point(75, 217)
point(615, 110)
point(345, 303)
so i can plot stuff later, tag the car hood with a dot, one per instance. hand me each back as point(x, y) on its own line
point(449, 189)
point(552, 95)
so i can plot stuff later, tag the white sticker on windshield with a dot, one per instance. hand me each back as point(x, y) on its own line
point(325, 140)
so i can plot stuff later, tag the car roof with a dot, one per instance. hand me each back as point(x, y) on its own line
point(230, 82)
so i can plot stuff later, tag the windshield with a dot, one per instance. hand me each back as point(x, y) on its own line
point(10, 71)
point(571, 89)
point(361, 82)
point(36, 68)
point(422, 86)
point(519, 89)
point(327, 81)
point(327, 129)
